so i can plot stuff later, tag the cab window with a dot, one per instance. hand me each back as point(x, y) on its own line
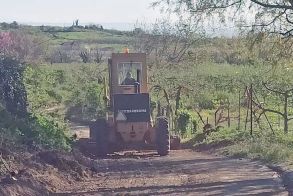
point(129, 73)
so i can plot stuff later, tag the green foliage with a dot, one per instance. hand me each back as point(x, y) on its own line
point(183, 119)
point(228, 135)
point(66, 90)
point(31, 129)
point(205, 102)
point(48, 132)
point(41, 86)
point(268, 147)
point(36, 131)
point(13, 93)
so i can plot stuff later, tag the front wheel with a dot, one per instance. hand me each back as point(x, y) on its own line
point(162, 136)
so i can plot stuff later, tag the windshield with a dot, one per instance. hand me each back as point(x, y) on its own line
point(129, 73)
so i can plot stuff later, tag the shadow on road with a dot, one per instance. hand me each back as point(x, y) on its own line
point(245, 187)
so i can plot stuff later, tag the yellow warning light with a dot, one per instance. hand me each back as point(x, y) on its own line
point(126, 50)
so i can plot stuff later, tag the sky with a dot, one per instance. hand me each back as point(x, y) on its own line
point(87, 11)
point(112, 14)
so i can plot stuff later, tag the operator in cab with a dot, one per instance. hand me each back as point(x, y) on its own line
point(129, 80)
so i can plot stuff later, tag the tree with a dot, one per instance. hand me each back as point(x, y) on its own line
point(85, 56)
point(14, 25)
point(20, 45)
point(168, 42)
point(15, 48)
point(278, 87)
point(285, 94)
point(169, 47)
point(274, 16)
point(13, 94)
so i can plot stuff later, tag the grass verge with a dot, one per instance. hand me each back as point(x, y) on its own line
point(268, 147)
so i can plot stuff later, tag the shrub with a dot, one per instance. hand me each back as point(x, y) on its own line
point(36, 131)
point(40, 131)
point(12, 90)
point(205, 102)
point(183, 120)
point(49, 133)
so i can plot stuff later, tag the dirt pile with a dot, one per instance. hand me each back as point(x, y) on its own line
point(61, 161)
point(41, 173)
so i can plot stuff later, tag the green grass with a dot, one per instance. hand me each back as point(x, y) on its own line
point(263, 146)
point(92, 36)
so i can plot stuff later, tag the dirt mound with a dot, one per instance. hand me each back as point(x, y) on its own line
point(61, 161)
point(86, 147)
point(5, 152)
point(23, 187)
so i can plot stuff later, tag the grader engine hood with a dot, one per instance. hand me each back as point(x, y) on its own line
point(132, 107)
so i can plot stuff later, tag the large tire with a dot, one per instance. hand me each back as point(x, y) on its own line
point(162, 136)
point(99, 132)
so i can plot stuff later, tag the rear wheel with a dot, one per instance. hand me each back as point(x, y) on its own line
point(99, 133)
point(162, 136)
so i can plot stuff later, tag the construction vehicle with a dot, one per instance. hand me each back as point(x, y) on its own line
point(128, 123)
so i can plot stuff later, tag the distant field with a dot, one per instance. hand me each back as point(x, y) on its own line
point(92, 36)
point(87, 38)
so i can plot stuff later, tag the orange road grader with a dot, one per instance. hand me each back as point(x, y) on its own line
point(128, 123)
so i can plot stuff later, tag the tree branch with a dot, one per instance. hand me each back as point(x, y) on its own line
point(216, 6)
point(288, 20)
point(200, 117)
point(287, 33)
point(272, 111)
point(272, 90)
point(272, 22)
point(277, 6)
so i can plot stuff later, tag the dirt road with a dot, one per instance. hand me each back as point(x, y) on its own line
point(182, 173)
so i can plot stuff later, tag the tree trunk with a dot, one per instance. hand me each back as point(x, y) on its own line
point(286, 114)
point(285, 125)
point(177, 105)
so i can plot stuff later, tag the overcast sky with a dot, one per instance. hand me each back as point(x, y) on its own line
point(65, 11)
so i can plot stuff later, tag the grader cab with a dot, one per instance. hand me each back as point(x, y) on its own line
point(128, 123)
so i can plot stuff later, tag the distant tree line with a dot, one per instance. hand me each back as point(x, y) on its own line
point(13, 25)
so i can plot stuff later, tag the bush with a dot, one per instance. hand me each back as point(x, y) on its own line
point(40, 131)
point(182, 121)
point(49, 133)
point(205, 102)
point(12, 89)
point(36, 131)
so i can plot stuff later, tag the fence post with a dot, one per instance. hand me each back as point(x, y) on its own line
point(229, 123)
point(251, 112)
point(239, 109)
point(216, 118)
point(247, 106)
